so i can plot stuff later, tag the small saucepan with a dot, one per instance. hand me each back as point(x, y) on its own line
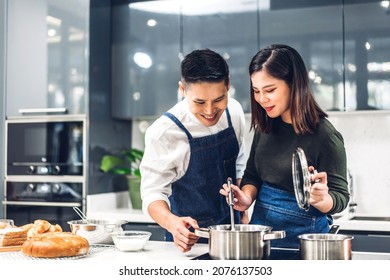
point(325, 246)
point(245, 242)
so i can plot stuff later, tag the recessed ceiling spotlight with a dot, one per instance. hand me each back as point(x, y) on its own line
point(151, 22)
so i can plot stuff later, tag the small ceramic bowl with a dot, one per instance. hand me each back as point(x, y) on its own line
point(130, 240)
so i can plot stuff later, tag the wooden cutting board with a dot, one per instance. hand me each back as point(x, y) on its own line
point(10, 248)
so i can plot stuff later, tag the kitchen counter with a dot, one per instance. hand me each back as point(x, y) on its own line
point(127, 214)
point(154, 250)
point(364, 222)
point(114, 206)
point(159, 250)
point(137, 216)
point(167, 251)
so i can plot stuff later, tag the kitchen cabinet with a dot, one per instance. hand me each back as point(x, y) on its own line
point(367, 241)
point(47, 56)
point(347, 58)
point(175, 29)
point(229, 28)
point(367, 56)
point(318, 38)
point(145, 58)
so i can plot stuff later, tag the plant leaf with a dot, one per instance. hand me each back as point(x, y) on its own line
point(109, 162)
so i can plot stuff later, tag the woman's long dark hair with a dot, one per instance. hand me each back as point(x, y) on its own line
point(284, 63)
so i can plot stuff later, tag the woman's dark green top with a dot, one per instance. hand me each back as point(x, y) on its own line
point(270, 159)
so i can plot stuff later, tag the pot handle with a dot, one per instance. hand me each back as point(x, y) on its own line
point(274, 235)
point(202, 232)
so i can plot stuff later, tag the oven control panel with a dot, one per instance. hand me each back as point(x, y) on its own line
point(44, 170)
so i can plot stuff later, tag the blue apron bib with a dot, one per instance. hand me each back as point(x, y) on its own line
point(212, 161)
point(279, 209)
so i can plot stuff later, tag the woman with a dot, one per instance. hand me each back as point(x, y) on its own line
point(192, 149)
point(286, 116)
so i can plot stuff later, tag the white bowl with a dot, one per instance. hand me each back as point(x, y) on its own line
point(130, 240)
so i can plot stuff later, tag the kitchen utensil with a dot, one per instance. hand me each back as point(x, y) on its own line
point(246, 242)
point(325, 246)
point(81, 214)
point(231, 203)
point(301, 178)
point(96, 231)
point(334, 229)
point(131, 240)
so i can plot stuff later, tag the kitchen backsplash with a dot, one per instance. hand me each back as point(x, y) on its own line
point(367, 142)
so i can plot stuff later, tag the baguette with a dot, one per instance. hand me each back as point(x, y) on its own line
point(55, 245)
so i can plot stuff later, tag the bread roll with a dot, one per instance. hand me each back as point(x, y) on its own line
point(55, 245)
point(41, 226)
point(55, 228)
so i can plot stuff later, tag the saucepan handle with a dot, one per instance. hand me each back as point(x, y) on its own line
point(203, 232)
point(274, 235)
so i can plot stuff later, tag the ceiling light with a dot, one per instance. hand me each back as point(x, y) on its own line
point(151, 22)
point(143, 60)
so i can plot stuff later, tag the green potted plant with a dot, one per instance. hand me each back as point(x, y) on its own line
point(126, 162)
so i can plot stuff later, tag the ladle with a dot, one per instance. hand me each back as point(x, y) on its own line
point(231, 203)
point(81, 214)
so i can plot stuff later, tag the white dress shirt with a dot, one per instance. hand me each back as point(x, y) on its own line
point(167, 150)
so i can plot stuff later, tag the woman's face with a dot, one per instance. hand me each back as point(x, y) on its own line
point(272, 94)
point(207, 101)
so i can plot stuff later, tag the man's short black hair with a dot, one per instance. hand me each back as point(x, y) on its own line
point(204, 66)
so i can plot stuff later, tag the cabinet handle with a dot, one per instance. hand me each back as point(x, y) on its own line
point(43, 111)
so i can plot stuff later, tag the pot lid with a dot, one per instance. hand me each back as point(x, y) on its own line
point(301, 178)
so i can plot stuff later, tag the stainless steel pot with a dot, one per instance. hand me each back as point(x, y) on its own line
point(245, 242)
point(96, 231)
point(325, 246)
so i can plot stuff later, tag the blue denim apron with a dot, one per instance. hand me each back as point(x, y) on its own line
point(212, 161)
point(279, 209)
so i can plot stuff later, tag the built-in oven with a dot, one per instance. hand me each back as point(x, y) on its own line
point(45, 171)
point(44, 146)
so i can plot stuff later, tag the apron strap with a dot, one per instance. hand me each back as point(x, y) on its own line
point(179, 124)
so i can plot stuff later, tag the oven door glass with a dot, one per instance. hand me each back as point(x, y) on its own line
point(45, 148)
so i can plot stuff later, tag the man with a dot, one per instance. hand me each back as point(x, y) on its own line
point(192, 149)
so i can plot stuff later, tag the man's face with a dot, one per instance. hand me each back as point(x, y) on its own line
point(207, 101)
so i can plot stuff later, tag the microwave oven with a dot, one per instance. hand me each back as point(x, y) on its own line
point(45, 145)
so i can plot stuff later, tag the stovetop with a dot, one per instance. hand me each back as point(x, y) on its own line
point(276, 254)
point(293, 254)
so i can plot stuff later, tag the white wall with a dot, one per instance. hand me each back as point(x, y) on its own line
point(367, 142)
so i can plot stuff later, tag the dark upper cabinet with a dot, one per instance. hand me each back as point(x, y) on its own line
point(367, 55)
point(180, 27)
point(315, 30)
point(47, 55)
point(344, 45)
point(229, 28)
point(145, 58)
